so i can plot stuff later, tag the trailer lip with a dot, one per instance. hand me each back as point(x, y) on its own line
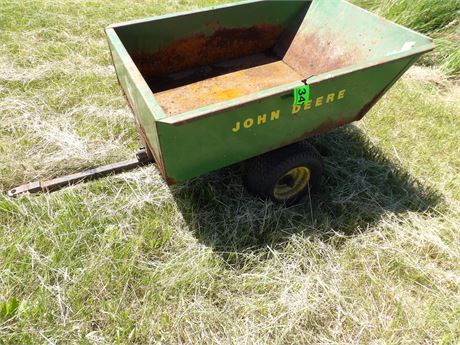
point(184, 13)
point(210, 8)
point(200, 113)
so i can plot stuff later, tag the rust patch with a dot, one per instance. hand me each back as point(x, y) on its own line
point(313, 54)
point(236, 78)
point(200, 50)
point(368, 106)
point(170, 181)
point(156, 153)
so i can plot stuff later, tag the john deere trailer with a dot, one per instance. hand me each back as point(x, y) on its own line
point(214, 87)
point(248, 82)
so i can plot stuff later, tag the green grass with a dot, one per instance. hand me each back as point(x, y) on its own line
point(438, 18)
point(375, 258)
point(426, 16)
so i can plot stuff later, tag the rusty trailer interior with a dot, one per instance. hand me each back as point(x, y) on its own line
point(227, 53)
point(206, 85)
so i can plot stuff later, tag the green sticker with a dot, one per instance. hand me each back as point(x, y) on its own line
point(301, 94)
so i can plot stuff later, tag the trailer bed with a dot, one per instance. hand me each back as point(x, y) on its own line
point(199, 87)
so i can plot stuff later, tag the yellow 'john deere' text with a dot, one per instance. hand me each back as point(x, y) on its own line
point(319, 101)
point(262, 119)
point(257, 121)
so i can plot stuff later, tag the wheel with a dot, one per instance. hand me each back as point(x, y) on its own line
point(285, 175)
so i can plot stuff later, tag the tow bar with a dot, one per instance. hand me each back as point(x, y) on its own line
point(142, 158)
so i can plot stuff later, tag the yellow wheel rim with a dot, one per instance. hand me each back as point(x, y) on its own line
point(291, 183)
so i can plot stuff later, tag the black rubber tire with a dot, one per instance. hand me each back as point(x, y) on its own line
point(261, 174)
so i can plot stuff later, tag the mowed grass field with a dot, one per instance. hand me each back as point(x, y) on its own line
point(373, 259)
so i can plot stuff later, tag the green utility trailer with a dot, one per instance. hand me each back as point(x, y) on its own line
point(214, 87)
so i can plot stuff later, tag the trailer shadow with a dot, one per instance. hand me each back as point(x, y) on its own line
point(360, 185)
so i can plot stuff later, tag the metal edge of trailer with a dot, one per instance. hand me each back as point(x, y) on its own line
point(150, 137)
point(134, 73)
point(185, 13)
point(244, 2)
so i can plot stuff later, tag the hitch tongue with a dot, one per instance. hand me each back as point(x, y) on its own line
point(142, 158)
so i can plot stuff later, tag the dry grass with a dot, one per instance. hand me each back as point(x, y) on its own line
point(374, 259)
